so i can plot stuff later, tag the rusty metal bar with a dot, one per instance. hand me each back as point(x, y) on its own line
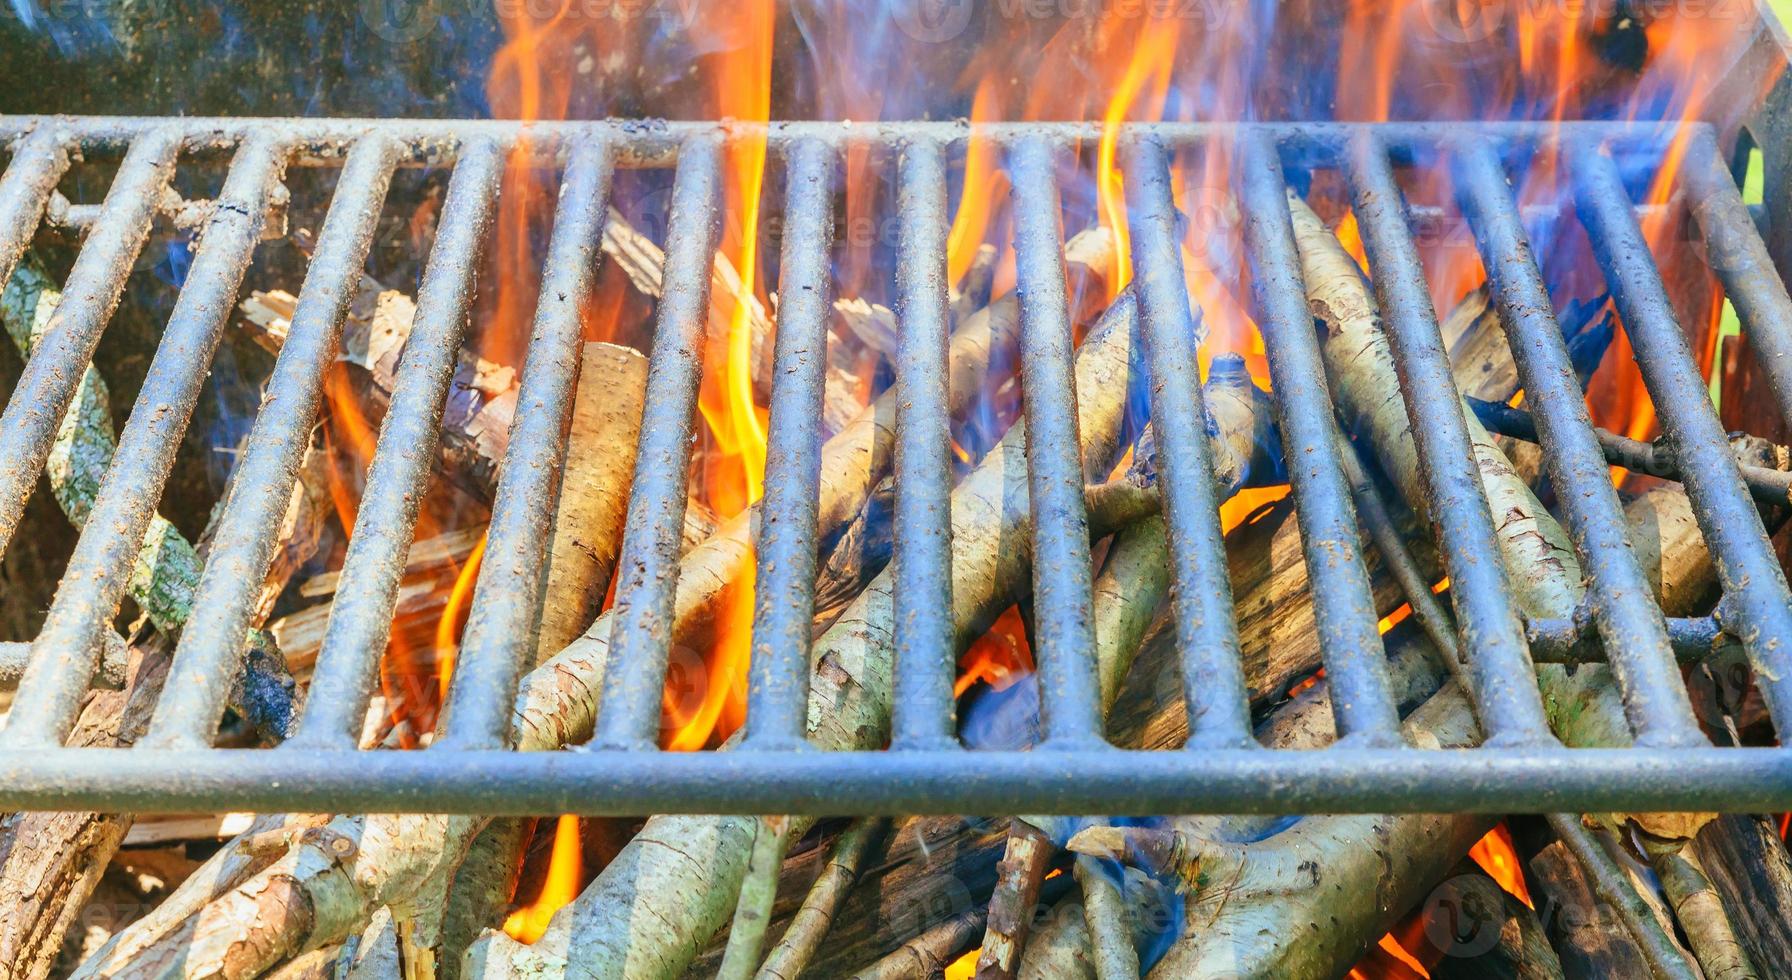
point(647, 575)
point(1343, 606)
point(784, 581)
point(1735, 251)
point(499, 639)
point(211, 645)
point(1767, 486)
point(53, 373)
point(64, 653)
point(37, 164)
point(1069, 692)
point(1621, 598)
point(1487, 622)
point(922, 711)
point(1756, 607)
point(361, 617)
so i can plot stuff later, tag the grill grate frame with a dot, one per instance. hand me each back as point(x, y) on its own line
point(471, 769)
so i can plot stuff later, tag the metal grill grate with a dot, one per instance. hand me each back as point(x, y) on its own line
point(471, 768)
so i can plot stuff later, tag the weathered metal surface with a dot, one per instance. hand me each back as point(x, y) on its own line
point(647, 572)
point(386, 521)
point(1622, 602)
point(500, 635)
point(922, 712)
point(1756, 607)
point(470, 770)
point(784, 581)
point(1333, 554)
point(1487, 621)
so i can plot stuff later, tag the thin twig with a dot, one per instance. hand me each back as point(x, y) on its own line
point(809, 926)
point(1615, 889)
point(758, 890)
point(1110, 932)
point(1769, 486)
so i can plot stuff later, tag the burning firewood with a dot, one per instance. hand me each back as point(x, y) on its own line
point(56, 859)
point(1132, 584)
point(407, 861)
point(482, 396)
point(850, 702)
point(600, 462)
point(1363, 383)
point(849, 708)
point(1477, 931)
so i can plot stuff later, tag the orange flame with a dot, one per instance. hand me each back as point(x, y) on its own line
point(1498, 857)
point(454, 618)
point(734, 473)
point(1143, 87)
point(999, 657)
point(984, 186)
point(558, 887)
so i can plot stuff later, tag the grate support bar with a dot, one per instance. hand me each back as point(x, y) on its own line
point(1756, 606)
point(647, 572)
point(1329, 538)
point(784, 581)
point(1629, 622)
point(1488, 625)
point(922, 712)
point(53, 373)
point(505, 618)
point(74, 633)
point(261, 487)
point(361, 617)
point(1340, 779)
point(1069, 691)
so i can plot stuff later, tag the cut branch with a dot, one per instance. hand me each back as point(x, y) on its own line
point(809, 926)
point(690, 867)
point(406, 861)
point(600, 462)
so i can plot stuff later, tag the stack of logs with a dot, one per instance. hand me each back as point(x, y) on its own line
point(315, 895)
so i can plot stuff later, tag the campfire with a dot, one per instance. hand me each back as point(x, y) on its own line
point(901, 490)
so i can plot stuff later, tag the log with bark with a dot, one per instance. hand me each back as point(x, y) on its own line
point(600, 461)
point(1546, 581)
point(54, 860)
point(406, 862)
point(690, 868)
